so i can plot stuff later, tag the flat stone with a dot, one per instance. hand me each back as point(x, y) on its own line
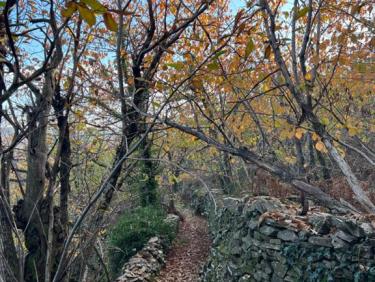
point(345, 236)
point(363, 251)
point(263, 204)
point(279, 268)
point(348, 226)
point(268, 230)
point(275, 241)
point(320, 241)
point(261, 237)
point(287, 235)
point(337, 243)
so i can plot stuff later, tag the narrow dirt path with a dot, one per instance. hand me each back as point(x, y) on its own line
point(188, 253)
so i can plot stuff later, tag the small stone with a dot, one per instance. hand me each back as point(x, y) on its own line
point(367, 228)
point(275, 241)
point(371, 242)
point(259, 236)
point(303, 234)
point(253, 224)
point(287, 235)
point(320, 241)
point(276, 278)
point(245, 278)
point(320, 223)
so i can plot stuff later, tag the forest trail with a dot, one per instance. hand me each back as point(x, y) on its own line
point(189, 251)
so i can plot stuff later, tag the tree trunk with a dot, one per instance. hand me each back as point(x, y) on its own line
point(325, 171)
point(149, 185)
point(9, 267)
point(226, 175)
point(301, 170)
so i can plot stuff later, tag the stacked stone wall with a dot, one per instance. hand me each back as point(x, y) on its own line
point(263, 239)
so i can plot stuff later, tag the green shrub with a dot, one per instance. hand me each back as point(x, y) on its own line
point(133, 230)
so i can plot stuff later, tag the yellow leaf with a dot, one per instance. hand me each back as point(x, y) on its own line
point(319, 146)
point(325, 120)
point(308, 76)
point(71, 7)
point(299, 133)
point(315, 136)
point(87, 15)
point(352, 130)
point(290, 159)
point(109, 22)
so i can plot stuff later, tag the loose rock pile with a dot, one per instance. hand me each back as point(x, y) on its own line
point(146, 263)
point(262, 239)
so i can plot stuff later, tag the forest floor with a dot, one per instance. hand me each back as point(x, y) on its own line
point(189, 251)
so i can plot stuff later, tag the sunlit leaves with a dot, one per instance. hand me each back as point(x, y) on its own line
point(87, 15)
point(319, 146)
point(110, 22)
point(250, 46)
point(302, 12)
point(213, 65)
point(95, 6)
point(299, 133)
point(176, 65)
point(69, 10)
point(87, 11)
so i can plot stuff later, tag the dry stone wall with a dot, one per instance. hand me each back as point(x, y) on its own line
point(263, 239)
point(147, 263)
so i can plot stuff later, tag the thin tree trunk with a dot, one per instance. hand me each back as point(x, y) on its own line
point(301, 170)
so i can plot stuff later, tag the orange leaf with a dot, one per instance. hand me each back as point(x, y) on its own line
point(319, 146)
point(267, 52)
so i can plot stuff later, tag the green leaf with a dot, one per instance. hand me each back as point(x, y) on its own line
point(110, 22)
point(2, 4)
point(302, 12)
point(218, 54)
point(87, 15)
point(213, 66)
point(249, 47)
point(95, 5)
point(71, 7)
point(177, 65)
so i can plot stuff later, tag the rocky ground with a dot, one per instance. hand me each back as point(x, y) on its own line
point(189, 251)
